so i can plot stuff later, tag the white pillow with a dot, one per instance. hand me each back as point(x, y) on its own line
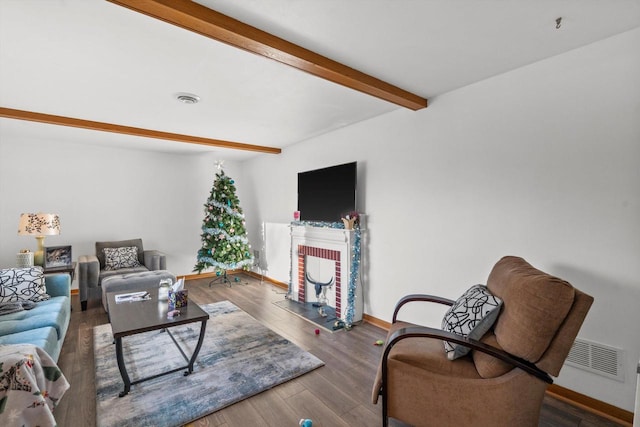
point(22, 284)
point(117, 258)
point(472, 315)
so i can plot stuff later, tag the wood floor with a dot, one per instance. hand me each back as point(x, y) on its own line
point(335, 395)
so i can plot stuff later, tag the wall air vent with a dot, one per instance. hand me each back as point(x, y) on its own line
point(597, 358)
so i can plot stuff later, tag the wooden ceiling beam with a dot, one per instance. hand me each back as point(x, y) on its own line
point(209, 23)
point(128, 130)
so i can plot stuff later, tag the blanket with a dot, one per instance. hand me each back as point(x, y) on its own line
point(30, 386)
point(9, 307)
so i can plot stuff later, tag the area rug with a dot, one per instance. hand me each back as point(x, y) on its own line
point(240, 357)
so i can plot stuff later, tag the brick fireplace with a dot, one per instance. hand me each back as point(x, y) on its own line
point(324, 255)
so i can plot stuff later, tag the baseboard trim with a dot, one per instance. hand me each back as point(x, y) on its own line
point(376, 322)
point(277, 283)
point(197, 276)
point(592, 405)
point(230, 272)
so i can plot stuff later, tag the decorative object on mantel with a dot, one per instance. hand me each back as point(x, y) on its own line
point(350, 311)
point(351, 220)
point(224, 237)
point(39, 225)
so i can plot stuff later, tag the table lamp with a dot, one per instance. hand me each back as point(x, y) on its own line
point(39, 225)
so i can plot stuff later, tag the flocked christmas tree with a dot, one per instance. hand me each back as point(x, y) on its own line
point(224, 237)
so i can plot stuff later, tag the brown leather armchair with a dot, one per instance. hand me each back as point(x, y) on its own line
point(501, 382)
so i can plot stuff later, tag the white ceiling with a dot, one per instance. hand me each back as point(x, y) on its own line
point(93, 60)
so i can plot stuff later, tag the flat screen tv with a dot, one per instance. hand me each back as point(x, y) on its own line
point(327, 194)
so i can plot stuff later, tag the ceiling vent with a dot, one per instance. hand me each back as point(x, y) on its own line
point(597, 358)
point(187, 98)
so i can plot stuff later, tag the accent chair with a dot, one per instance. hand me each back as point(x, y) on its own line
point(502, 378)
point(115, 258)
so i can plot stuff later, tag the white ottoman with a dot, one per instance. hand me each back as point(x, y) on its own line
point(132, 282)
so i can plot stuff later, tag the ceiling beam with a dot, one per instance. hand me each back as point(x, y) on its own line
point(197, 18)
point(128, 130)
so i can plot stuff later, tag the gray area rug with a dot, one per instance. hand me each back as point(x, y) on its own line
point(239, 358)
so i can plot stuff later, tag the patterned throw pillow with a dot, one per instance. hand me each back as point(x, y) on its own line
point(117, 258)
point(472, 315)
point(22, 284)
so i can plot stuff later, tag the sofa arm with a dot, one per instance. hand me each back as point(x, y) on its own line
point(155, 260)
point(58, 284)
point(89, 271)
point(88, 276)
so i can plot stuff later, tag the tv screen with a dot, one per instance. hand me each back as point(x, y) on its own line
point(327, 194)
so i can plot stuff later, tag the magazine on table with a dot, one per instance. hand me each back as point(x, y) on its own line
point(132, 296)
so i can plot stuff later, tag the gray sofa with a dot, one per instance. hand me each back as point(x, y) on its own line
point(91, 268)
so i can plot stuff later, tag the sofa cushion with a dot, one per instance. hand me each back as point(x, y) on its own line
point(424, 353)
point(472, 315)
point(119, 258)
point(52, 313)
point(530, 297)
point(22, 284)
point(45, 338)
point(119, 244)
point(109, 273)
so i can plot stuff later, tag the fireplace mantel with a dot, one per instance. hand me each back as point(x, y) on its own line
point(342, 249)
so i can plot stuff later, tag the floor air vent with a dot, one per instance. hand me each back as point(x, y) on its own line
point(597, 358)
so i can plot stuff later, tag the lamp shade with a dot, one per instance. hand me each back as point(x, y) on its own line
point(40, 224)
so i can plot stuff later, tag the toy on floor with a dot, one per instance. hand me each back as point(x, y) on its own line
point(305, 423)
point(379, 342)
point(317, 331)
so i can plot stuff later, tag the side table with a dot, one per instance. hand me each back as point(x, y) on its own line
point(70, 270)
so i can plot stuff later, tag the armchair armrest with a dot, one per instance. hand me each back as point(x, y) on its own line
point(155, 260)
point(418, 297)
point(58, 284)
point(426, 332)
point(88, 271)
point(88, 276)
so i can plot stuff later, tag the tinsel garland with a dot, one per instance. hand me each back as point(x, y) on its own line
point(219, 231)
point(355, 264)
point(232, 266)
point(227, 208)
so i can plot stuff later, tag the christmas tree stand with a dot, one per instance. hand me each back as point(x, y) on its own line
point(223, 278)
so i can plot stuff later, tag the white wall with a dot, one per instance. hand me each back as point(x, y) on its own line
point(541, 162)
point(104, 193)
